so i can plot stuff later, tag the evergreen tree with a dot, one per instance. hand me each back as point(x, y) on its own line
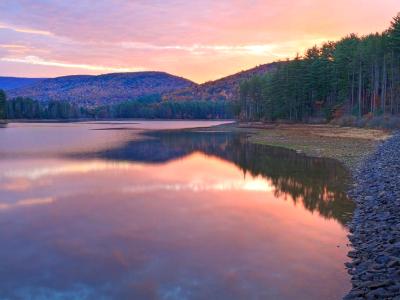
point(394, 34)
point(358, 75)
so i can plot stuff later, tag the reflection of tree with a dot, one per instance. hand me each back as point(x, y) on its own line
point(319, 184)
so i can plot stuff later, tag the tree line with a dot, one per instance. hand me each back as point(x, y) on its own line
point(189, 109)
point(26, 108)
point(149, 107)
point(3, 105)
point(356, 75)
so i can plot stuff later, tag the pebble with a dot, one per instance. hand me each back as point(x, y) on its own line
point(375, 228)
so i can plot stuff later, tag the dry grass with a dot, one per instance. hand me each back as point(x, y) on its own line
point(339, 132)
point(346, 144)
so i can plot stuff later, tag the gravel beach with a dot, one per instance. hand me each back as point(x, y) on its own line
point(374, 263)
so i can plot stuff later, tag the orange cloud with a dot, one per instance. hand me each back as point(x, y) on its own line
point(200, 40)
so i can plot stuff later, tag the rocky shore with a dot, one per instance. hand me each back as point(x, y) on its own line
point(375, 228)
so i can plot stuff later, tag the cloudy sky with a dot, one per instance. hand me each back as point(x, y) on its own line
point(198, 39)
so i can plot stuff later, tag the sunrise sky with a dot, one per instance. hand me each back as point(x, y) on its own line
point(200, 40)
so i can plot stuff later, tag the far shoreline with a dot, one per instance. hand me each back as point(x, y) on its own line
point(103, 120)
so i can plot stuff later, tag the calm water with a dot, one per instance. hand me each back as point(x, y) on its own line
point(108, 211)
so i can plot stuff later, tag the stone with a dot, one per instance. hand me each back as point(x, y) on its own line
point(382, 259)
point(375, 228)
point(393, 263)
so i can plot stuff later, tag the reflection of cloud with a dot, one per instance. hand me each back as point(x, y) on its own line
point(27, 202)
point(220, 183)
point(19, 184)
point(255, 184)
point(37, 173)
point(35, 201)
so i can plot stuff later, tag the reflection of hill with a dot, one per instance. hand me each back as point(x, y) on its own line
point(159, 147)
point(317, 183)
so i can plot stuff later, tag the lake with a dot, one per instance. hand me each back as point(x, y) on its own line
point(143, 210)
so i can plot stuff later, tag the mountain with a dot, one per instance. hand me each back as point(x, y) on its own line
point(88, 90)
point(9, 83)
point(226, 88)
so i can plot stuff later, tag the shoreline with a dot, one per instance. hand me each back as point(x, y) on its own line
point(374, 167)
point(84, 120)
point(375, 228)
point(349, 145)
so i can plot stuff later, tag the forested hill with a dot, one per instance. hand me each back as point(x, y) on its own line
point(9, 83)
point(108, 89)
point(87, 90)
point(224, 89)
point(357, 75)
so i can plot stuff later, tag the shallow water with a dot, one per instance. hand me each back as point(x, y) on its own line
point(121, 213)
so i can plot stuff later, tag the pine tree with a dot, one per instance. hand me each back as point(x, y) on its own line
point(394, 34)
point(358, 75)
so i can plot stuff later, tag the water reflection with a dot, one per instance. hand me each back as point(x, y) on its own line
point(177, 215)
point(318, 183)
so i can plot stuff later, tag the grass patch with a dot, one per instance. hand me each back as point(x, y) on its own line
point(347, 144)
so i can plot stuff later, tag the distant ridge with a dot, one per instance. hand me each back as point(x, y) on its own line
point(223, 89)
point(9, 83)
point(88, 90)
point(91, 90)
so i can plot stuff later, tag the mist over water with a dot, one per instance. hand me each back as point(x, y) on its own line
point(112, 211)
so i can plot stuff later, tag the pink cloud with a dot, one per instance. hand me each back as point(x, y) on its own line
point(200, 40)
